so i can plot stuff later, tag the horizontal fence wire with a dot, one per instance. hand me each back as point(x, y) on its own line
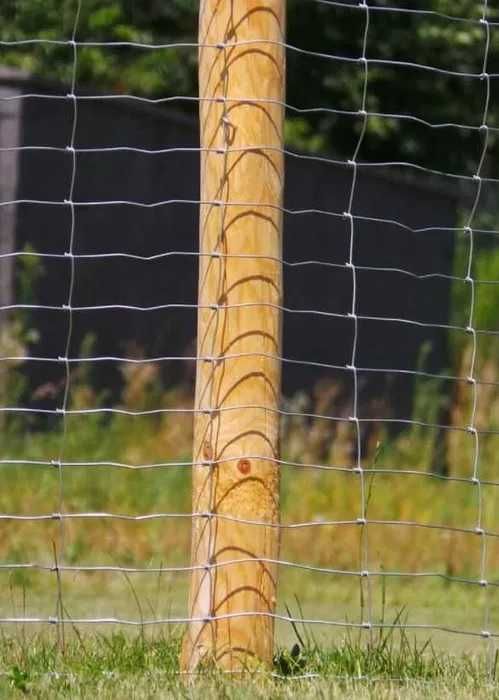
point(398, 470)
point(324, 212)
point(232, 356)
point(259, 149)
point(249, 100)
point(243, 305)
point(232, 256)
point(267, 409)
point(468, 188)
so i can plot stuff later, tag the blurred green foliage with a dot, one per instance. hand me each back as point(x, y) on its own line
point(426, 39)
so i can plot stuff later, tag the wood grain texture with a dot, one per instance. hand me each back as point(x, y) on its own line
point(239, 435)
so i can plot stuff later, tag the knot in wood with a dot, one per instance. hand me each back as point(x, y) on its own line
point(244, 466)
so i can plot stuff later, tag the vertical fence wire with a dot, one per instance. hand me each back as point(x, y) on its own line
point(69, 253)
point(471, 330)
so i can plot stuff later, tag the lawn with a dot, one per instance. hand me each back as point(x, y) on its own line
point(140, 666)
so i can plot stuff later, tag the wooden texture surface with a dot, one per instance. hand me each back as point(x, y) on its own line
point(240, 290)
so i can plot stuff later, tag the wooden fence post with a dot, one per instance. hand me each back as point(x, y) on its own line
point(235, 534)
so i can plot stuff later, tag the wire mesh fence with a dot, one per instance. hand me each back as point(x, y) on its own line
point(389, 410)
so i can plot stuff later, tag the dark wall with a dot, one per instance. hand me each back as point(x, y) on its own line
point(45, 175)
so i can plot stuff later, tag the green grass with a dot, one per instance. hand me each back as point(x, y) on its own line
point(390, 665)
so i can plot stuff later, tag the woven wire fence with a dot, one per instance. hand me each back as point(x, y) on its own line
point(452, 545)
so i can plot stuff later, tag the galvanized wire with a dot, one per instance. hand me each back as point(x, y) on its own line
point(473, 180)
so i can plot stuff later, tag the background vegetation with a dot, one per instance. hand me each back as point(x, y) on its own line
point(425, 39)
point(439, 514)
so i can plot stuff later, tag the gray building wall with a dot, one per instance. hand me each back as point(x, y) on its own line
point(45, 175)
point(10, 126)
